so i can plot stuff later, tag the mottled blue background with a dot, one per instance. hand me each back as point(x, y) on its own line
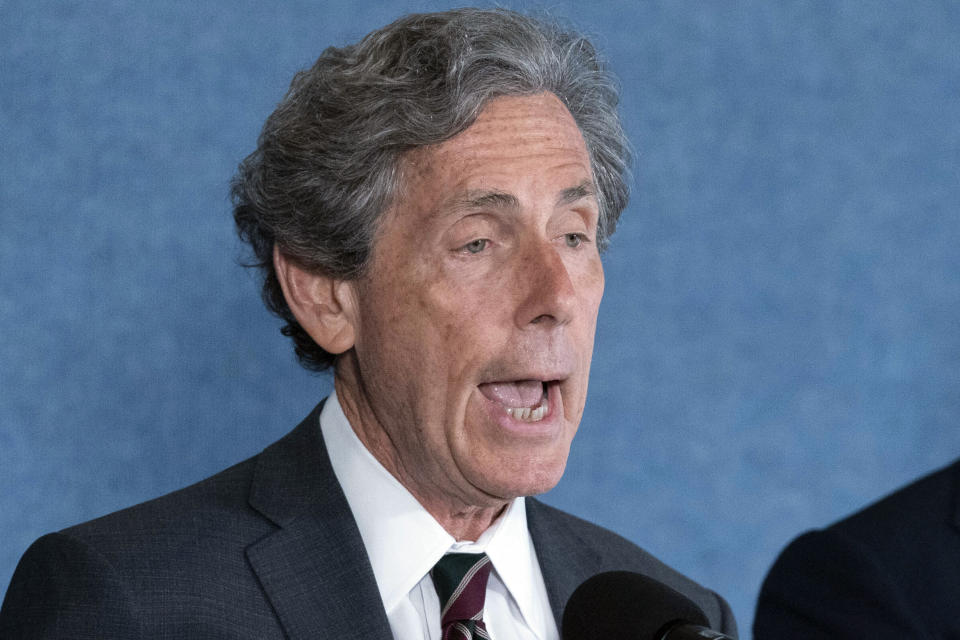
point(778, 343)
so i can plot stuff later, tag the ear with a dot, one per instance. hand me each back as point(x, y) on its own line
point(325, 307)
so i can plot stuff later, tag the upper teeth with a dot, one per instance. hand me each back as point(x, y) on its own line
point(528, 414)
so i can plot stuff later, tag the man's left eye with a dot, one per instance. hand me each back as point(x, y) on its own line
point(574, 240)
point(476, 246)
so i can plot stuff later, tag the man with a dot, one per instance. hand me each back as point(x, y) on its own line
point(891, 570)
point(428, 208)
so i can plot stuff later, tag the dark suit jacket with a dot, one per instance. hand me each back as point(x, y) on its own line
point(266, 549)
point(889, 571)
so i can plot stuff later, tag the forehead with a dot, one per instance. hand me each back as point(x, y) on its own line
point(513, 138)
point(540, 119)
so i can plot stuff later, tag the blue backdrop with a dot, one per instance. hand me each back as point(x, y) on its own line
point(778, 343)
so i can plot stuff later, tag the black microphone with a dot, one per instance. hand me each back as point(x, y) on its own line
point(631, 606)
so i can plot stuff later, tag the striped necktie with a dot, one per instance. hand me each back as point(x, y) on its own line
point(461, 583)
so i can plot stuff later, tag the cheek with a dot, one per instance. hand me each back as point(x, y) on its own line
point(590, 286)
point(388, 331)
point(460, 307)
point(421, 338)
point(597, 280)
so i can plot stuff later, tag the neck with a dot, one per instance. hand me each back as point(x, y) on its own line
point(464, 515)
point(467, 526)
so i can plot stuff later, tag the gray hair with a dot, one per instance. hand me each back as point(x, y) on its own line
point(327, 160)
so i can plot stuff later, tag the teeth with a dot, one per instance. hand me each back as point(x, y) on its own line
point(527, 414)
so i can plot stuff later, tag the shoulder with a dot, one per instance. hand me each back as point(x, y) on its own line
point(158, 562)
point(230, 507)
point(930, 503)
point(889, 569)
point(824, 585)
point(179, 565)
point(57, 584)
point(92, 578)
point(917, 526)
point(212, 508)
point(573, 547)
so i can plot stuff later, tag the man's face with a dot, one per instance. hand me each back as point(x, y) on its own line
point(476, 318)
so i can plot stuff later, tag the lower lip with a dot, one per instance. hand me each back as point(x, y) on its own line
point(548, 426)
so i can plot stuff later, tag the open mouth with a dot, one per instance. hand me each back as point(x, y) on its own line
point(524, 400)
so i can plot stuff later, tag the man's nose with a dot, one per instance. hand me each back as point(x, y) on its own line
point(548, 296)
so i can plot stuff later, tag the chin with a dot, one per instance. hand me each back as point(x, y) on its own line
point(525, 478)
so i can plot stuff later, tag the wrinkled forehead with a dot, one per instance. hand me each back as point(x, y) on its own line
point(508, 130)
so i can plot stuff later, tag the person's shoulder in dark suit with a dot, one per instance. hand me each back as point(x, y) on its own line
point(891, 570)
point(111, 565)
point(175, 566)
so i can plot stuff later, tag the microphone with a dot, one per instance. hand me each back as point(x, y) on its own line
point(631, 606)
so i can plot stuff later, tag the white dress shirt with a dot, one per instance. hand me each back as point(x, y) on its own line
point(403, 542)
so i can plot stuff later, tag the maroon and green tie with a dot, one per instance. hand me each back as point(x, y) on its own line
point(461, 583)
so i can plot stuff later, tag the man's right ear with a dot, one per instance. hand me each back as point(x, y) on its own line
point(325, 307)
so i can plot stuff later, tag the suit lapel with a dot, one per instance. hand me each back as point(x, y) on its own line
point(314, 568)
point(565, 559)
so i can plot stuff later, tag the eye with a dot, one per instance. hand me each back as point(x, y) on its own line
point(574, 240)
point(476, 246)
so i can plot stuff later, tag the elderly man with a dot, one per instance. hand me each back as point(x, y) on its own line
point(428, 208)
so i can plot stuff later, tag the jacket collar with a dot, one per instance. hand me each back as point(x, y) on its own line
point(566, 559)
point(313, 569)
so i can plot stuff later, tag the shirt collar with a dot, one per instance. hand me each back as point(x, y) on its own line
point(403, 541)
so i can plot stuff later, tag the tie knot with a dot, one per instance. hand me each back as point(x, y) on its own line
point(461, 583)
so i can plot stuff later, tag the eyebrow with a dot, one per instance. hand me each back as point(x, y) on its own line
point(485, 199)
point(583, 190)
point(482, 199)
